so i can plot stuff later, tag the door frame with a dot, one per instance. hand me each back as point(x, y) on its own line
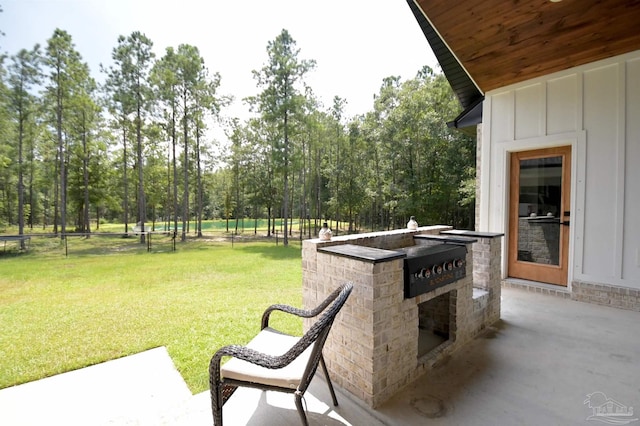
point(552, 274)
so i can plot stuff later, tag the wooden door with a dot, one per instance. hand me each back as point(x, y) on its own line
point(539, 215)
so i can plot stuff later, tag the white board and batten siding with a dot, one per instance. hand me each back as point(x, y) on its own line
point(594, 108)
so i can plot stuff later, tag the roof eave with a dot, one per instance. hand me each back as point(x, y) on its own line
point(462, 84)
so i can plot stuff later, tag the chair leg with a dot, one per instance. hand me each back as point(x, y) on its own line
point(326, 376)
point(303, 416)
point(217, 401)
point(216, 405)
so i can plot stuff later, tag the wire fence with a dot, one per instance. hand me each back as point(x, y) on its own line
point(98, 243)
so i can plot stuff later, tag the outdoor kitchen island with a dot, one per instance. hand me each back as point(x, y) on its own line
point(418, 296)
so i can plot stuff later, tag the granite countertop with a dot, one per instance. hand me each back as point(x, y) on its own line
point(450, 239)
point(475, 234)
point(366, 254)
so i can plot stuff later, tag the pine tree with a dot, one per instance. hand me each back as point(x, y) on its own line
point(281, 102)
point(24, 73)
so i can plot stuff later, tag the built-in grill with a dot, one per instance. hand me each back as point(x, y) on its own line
point(429, 267)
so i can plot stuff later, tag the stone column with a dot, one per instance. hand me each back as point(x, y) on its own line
point(487, 272)
point(360, 345)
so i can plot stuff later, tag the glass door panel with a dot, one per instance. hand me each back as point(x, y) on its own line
point(539, 204)
point(539, 215)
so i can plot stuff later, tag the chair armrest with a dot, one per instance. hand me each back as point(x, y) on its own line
point(287, 309)
point(255, 357)
point(250, 355)
point(299, 312)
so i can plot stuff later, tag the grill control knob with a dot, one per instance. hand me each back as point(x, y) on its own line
point(447, 266)
point(437, 269)
point(458, 263)
point(426, 273)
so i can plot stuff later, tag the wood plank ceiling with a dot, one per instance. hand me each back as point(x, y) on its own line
point(501, 42)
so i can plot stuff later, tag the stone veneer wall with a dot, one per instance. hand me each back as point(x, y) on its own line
point(536, 287)
point(487, 279)
point(372, 350)
point(367, 319)
point(582, 291)
point(617, 297)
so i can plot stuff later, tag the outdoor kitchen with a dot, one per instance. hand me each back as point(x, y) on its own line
point(419, 295)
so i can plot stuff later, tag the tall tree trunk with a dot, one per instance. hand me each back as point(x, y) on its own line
point(199, 183)
point(168, 209)
point(268, 220)
point(309, 193)
point(291, 198)
point(185, 200)
point(31, 179)
point(6, 198)
point(175, 171)
point(141, 200)
point(318, 178)
point(21, 119)
point(285, 194)
point(125, 201)
point(338, 160)
point(85, 175)
point(56, 189)
point(62, 158)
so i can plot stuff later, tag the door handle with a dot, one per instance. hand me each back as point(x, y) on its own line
point(565, 223)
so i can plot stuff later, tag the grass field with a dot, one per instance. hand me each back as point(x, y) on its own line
point(62, 313)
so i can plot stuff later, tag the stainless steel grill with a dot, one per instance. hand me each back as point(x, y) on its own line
point(429, 267)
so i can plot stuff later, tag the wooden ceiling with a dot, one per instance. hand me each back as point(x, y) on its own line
point(501, 42)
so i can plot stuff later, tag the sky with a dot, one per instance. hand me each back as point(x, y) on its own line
point(355, 43)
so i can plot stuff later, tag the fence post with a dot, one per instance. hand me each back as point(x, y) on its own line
point(175, 235)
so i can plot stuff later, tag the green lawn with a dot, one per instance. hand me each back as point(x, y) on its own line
point(62, 313)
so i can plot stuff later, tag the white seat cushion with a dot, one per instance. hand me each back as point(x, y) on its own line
point(270, 342)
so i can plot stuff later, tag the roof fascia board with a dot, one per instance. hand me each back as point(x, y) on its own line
point(447, 45)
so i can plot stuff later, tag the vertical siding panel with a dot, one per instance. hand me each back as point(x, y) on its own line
point(601, 124)
point(562, 105)
point(528, 112)
point(619, 143)
point(502, 117)
point(631, 246)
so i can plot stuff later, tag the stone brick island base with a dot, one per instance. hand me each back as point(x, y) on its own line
point(382, 341)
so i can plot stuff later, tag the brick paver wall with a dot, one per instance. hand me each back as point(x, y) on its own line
point(617, 297)
point(372, 350)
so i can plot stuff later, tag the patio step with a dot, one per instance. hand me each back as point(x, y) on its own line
point(145, 389)
point(141, 389)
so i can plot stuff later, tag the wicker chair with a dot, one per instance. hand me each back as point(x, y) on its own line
point(277, 361)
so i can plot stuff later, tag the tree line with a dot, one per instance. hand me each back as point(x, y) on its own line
point(135, 147)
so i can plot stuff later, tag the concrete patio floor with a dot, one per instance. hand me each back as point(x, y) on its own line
point(537, 366)
point(549, 361)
